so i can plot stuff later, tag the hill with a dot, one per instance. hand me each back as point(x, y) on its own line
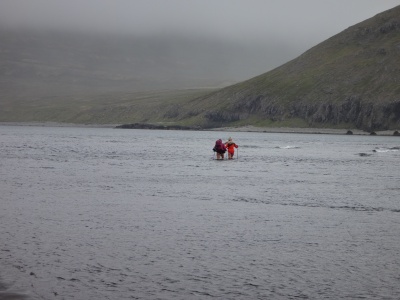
point(350, 80)
point(84, 77)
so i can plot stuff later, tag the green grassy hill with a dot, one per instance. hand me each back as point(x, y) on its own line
point(81, 78)
point(154, 107)
point(350, 80)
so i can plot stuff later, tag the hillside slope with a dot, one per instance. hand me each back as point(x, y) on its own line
point(349, 80)
point(80, 77)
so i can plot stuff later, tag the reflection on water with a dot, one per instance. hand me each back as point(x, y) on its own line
point(94, 213)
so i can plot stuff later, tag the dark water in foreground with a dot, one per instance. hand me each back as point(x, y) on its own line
point(90, 213)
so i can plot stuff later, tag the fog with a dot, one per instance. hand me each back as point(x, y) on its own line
point(271, 32)
point(309, 20)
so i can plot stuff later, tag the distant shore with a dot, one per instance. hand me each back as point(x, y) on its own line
point(248, 128)
point(302, 130)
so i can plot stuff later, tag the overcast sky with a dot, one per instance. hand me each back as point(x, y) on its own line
point(298, 24)
point(313, 20)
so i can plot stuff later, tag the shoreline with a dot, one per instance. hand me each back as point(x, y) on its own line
point(307, 130)
point(248, 128)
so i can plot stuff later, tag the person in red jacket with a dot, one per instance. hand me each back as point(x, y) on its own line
point(230, 145)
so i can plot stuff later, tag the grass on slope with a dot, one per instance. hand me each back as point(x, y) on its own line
point(114, 108)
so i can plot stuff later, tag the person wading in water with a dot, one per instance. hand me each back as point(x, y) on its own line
point(230, 145)
point(220, 149)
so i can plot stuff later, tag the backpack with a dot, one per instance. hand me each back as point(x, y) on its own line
point(219, 146)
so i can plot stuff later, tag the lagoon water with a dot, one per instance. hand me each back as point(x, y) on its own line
point(102, 213)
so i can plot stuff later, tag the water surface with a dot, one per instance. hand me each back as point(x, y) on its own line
point(100, 213)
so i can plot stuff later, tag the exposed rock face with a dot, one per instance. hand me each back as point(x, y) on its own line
point(366, 116)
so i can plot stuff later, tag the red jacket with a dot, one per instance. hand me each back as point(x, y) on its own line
point(231, 147)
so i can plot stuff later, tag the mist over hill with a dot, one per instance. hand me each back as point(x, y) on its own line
point(350, 80)
point(52, 63)
point(60, 76)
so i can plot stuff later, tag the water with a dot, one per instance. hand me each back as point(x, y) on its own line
point(100, 213)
